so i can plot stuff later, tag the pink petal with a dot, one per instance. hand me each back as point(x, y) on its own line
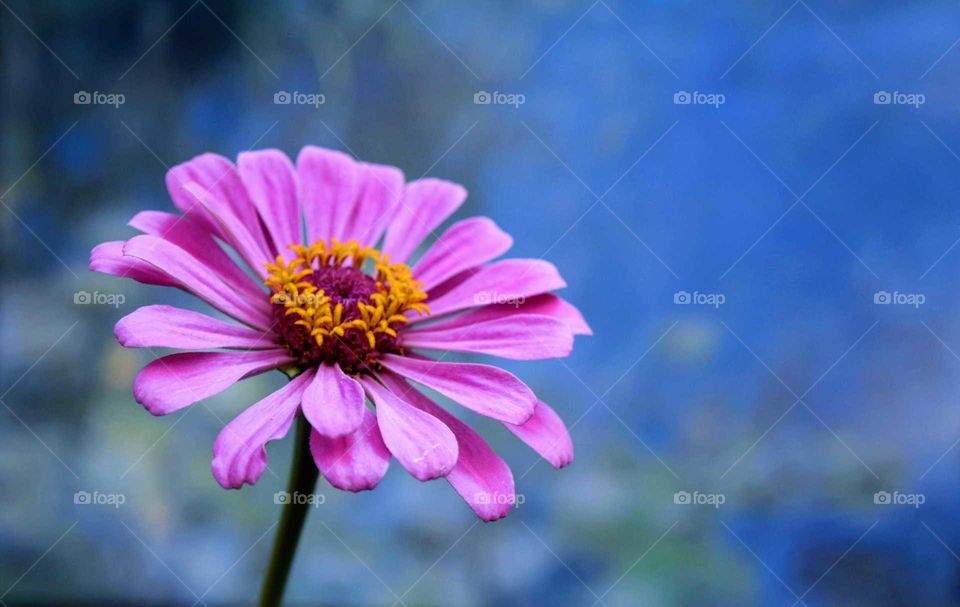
point(464, 245)
point(169, 327)
point(108, 258)
point(239, 453)
point(426, 204)
point(481, 477)
point(333, 402)
point(487, 390)
point(542, 305)
point(556, 307)
point(505, 282)
point(196, 241)
point(546, 434)
point(199, 279)
point(246, 239)
point(381, 188)
point(422, 444)
point(328, 183)
point(179, 380)
point(449, 284)
point(518, 337)
point(217, 175)
point(272, 185)
point(354, 462)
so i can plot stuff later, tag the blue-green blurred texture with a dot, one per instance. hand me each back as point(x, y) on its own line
point(798, 199)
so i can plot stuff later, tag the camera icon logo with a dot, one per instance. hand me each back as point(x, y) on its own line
point(882, 297)
point(282, 98)
point(281, 497)
point(681, 297)
point(881, 497)
point(682, 98)
point(482, 98)
point(82, 497)
point(882, 98)
point(681, 497)
point(82, 298)
point(82, 98)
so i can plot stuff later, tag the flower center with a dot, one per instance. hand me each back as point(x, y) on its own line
point(329, 309)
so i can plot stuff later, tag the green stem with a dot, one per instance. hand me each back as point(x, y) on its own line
point(302, 481)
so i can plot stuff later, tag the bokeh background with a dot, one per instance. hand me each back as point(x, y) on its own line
point(797, 200)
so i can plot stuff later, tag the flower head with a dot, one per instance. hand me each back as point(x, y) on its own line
point(338, 306)
point(331, 311)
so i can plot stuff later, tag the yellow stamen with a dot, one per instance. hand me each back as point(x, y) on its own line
point(397, 291)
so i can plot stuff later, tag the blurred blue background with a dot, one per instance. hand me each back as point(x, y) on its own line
point(798, 202)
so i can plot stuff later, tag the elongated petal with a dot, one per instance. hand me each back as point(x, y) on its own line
point(540, 305)
point(426, 204)
point(217, 175)
point(239, 453)
point(333, 402)
point(464, 245)
point(546, 434)
point(487, 390)
point(381, 188)
point(481, 477)
point(328, 183)
point(179, 380)
point(198, 279)
point(169, 327)
point(245, 238)
point(108, 258)
point(183, 232)
point(272, 185)
point(556, 307)
point(505, 282)
point(354, 462)
point(422, 444)
point(518, 337)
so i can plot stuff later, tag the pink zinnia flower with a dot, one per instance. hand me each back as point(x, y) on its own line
point(346, 320)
